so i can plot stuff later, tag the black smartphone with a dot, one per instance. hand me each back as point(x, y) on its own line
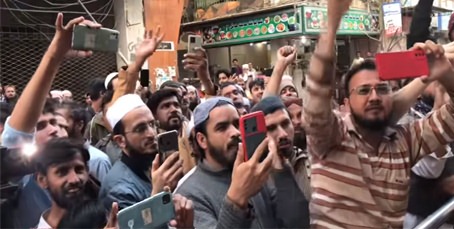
point(144, 78)
point(168, 144)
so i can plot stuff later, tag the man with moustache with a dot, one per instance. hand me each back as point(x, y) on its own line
point(63, 171)
point(283, 124)
point(229, 192)
point(134, 130)
point(165, 105)
point(194, 98)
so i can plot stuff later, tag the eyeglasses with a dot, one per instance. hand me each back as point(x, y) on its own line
point(380, 89)
point(143, 127)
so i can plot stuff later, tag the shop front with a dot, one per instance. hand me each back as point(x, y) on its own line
point(255, 38)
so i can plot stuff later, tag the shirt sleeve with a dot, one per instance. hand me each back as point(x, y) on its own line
point(431, 132)
point(13, 138)
point(324, 129)
point(431, 166)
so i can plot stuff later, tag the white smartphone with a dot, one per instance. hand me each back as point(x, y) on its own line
point(194, 41)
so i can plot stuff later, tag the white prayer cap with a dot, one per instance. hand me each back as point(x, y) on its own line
point(110, 78)
point(123, 106)
point(245, 66)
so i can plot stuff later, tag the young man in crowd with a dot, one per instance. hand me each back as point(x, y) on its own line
point(165, 105)
point(256, 87)
point(231, 90)
point(286, 133)
point(77, 118)
point(353, 189)
point(134, 130)
point(62, 170)
point(183, 93)
point(10, 94)
point(223, 76)
point(97, 128)
point(229, 192)
point(194, 98)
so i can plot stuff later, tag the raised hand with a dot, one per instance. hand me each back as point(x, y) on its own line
point(438, 61)
point(337, 9)
point(167, 174)
point(113, 219)
point(184, 212)
point(249, 177)
point(149, 44)
point(287, 54)
point(61, 43)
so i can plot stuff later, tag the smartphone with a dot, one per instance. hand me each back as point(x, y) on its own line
point(89, 39)
point(253, 132)
point(167, 144)
point(402, 65)
point(145, 78)
point(153, 212)
point(195, 41)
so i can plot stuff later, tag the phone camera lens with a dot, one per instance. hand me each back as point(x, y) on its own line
point(166, 199)
point(192, 40)
point(254, 128)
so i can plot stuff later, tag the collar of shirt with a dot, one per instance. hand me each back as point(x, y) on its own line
point(42, 221)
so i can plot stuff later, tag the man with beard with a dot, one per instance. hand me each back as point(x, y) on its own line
point(77, 118)
point(183, 93)
point(193, 96)
point(229, 192)
point(287, 133)
point(63, 171)
point(134, 130)
point(360, 163)
point(165, 105)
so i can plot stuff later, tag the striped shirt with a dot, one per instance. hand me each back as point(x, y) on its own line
point(354, 185)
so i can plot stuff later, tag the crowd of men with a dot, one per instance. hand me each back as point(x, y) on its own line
point(382, 159)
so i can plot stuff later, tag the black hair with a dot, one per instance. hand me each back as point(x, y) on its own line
point(257, 82)
point(49, 106)
point(367, 64)
point(268, 72)
point(106, 99)
point(88, 214)
point(5, 112)
point(201, 128)
point(269, 105)
point(78, 113)
point(96, 89)
point(225, 71)
point(226, 84)
point(160, 96)
point(119, 128)
point(234, 60)
point(59, 150)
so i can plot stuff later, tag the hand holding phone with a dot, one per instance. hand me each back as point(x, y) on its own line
point(154, 212)
point(402, 65)
point(88, 39)
point(253, 132)
point(248, 177)
point(168, 173)
point(167, 144)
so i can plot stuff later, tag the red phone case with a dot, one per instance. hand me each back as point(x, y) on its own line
point(253, 132)
point(402, 65)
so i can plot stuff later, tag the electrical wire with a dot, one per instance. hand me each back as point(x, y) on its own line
point(33, 19)
point(40, 7)
point(68, 4)
point(25, 24)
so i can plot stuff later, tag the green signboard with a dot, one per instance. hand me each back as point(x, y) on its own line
point(355, 22)
point(254, 29)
